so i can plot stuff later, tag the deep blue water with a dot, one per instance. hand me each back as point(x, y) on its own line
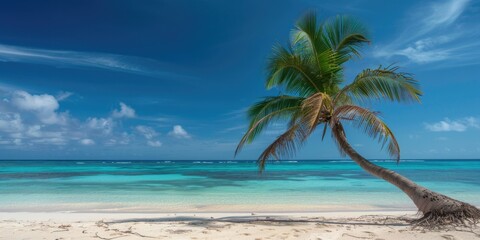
point(178, 185)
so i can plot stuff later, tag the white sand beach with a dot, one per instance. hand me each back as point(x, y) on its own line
point(320, 225)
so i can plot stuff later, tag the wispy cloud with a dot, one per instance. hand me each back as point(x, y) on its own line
point(459, 125)
point(63, 95)
point(242, 127)
point(235, 114)
point(441, 31)
point(76, 59)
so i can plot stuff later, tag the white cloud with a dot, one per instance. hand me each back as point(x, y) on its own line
point(74, 59)
point(122, 139)
point(448, 125)
point(472, 122)
point(19, 132)
point(444, 13)
point(104, 124)
point(154, 143)
point(124, 112)
point(437, 33)
point(35, 131)
point(87, 141)
point(179, 132)
point(43, 102)
point(421, 51)
point(147, 132)
point(235, 128)
point(63, 95)
point(31, 120)
point(11, 122)
point(45, 106)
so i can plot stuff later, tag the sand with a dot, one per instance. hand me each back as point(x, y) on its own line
point(321, 225)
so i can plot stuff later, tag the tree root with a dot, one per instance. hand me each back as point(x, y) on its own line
point(462, 215)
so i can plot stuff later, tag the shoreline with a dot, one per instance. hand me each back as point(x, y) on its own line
point(227, 225)
point(211, 208)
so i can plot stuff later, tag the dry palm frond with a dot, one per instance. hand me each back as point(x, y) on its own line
point(252, 131)
point(315, 109)
point(371, 124)
point(285, 145)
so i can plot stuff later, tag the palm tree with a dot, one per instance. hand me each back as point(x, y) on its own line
point(310, 72)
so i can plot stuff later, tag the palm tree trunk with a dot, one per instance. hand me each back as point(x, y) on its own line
point(436, 208)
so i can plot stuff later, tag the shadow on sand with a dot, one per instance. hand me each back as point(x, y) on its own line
point(366, 220)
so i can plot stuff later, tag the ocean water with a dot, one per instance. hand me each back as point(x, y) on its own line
point(223, 185)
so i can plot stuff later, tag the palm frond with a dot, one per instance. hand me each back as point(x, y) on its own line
point(308, 41)
point(345, 35)
point(292, 72)
point(285, 145)
point(316, 109)
point(383, 83)
point(305, 37)
point(371, 124)
point(264, 112)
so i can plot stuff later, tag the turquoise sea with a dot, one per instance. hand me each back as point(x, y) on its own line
point(222, 185)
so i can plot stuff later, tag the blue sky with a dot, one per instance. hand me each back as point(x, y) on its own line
point(172, 79)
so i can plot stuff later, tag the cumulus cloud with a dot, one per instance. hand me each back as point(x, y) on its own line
point(16, 131)
point(124, 112)
point(105, 125)
point(448, 125)
point(45, 106)
point(30, 120)
point(10, 122)
point(149, 134)
point(122, 139)
point(179, 132)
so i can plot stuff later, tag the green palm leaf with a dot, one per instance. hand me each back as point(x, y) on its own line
point(264, 112)
point(292, 72)
point(345, 35)
point(383, 83)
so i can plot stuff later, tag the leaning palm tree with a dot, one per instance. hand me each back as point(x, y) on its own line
point(310, 73)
